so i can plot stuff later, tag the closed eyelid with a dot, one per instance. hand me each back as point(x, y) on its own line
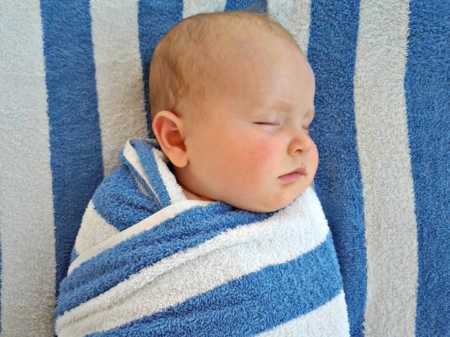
point(282, 117)
point(305, 119)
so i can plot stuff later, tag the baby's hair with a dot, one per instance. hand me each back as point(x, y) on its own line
point(183, 60)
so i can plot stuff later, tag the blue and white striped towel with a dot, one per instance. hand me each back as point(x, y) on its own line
point(149, 262)
point(74, 88)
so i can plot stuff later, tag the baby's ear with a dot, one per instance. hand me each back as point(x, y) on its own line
point(168, 130)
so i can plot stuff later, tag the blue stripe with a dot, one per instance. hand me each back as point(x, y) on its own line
point(255, 5)
point(147, 158)
point(332, 54)
point(251, 304)
point(186, 230)
point(120, 203)
point(118, 199)
point(139, 180)
point(155, 18)
point(427, 85)
point(75, 143)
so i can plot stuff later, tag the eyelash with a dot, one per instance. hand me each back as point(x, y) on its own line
point(276, 124)
point(266, 123)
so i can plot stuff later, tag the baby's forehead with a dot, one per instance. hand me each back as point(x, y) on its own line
point(227, 30)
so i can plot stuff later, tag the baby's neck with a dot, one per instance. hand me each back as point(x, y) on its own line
point(188, 194)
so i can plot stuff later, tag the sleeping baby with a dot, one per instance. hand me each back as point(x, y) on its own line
point(212, 228)
point(232, 99)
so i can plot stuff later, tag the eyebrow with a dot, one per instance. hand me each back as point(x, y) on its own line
point(281, 105)
point(285, 106)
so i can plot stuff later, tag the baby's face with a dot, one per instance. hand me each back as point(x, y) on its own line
point(255, 131)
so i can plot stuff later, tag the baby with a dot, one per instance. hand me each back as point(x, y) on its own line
point(213, 229)
point(232, 98)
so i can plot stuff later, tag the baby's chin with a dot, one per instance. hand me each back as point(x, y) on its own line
point(270, 208)
point(264, 205)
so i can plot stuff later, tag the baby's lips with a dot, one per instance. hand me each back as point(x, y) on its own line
point(292, 176)
point(299, 170)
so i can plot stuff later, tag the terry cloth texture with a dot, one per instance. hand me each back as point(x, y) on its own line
point(73, 89)
point(149, 262)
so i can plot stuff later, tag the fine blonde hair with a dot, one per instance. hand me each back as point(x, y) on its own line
point(184, 59)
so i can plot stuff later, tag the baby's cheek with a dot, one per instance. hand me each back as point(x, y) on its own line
point(263, 156)
point(252, 157)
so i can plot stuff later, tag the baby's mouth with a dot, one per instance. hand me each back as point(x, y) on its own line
point(292, 176)
point(299, 170)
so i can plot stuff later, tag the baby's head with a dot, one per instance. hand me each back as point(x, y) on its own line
point(232, 97)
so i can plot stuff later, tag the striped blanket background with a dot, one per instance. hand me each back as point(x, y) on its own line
point(73, 88)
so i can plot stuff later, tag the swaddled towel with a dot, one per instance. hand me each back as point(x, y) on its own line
point(149, 262)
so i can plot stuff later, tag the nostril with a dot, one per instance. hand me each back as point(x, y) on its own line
point(300, 144)
point(296, 147)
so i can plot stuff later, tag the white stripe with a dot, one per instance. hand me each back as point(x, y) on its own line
point(132, 157)
point(281, 238)
point(294, 15)
point(382, 135)
point(192, 7)
point(93, 230)
point(169, 180)
point(26, 204)
point(118, 73)
point(329, 320)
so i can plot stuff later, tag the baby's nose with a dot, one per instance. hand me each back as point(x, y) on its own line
point(300, 143)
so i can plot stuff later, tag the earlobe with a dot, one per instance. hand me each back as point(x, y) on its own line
point(168, 129)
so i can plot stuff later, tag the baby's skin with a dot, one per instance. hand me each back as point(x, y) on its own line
point(242, 128)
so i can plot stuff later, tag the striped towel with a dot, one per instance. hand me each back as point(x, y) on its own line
point(73, 89)
point(149, 262)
